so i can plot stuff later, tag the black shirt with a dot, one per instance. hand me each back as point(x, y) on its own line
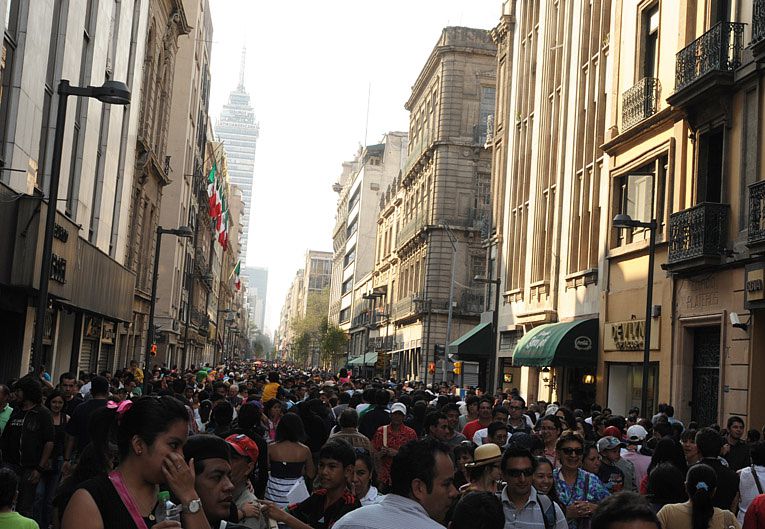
point(25, 436)
point(313, 513)
point(372, 420)
point(71, 404)
point(738, 456)
point(78, 423)
point(727, 483)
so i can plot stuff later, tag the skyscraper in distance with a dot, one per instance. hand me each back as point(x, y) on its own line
point(238, 130)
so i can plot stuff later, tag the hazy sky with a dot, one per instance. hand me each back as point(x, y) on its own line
point(309, 69)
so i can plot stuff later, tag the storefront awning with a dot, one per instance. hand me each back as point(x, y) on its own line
point(369, 359)
point(568, 344)
point(477, 342)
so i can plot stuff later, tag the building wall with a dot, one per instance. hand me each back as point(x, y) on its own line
point(433, 215)
point(86, 42)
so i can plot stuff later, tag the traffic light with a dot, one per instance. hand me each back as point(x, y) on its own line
point(432, 368)
point(457, 370)
point(439, 350)
point(153, 349)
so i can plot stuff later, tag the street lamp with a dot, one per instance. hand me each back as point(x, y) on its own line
point(622, 221)
point(111, 92)
point(453, 242)
point(186, 233)
point(494, 325)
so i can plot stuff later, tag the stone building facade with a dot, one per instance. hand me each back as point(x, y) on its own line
point(550, 187)
point(685, 141)
point(183, 262)
point(166, 22)
point(433, 215)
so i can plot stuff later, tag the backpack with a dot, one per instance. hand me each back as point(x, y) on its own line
point(548, 510)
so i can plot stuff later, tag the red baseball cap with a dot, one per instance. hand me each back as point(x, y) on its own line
point(244, 446)
point(613, 431)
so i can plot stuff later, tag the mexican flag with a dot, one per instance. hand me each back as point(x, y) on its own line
point(211, 190)
point(237, 279)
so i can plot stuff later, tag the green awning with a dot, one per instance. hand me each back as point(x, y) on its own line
point(369, 359)
point(477, 342)
point(567, 344)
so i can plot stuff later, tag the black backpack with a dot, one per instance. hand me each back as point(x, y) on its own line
point(548, 510)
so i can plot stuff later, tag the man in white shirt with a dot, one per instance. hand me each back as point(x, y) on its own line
point(422, 491)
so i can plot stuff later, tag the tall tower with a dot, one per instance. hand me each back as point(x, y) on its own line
point(238, 130)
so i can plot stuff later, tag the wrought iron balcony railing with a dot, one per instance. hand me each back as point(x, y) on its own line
point(411, 228)
point(717, 50)
point(698, 232)
point(640, 102)
point(758, 21)
point(756, 231)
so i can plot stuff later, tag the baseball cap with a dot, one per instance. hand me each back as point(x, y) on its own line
point(613, 431)
point(636, 433)
point(608, 443)
point(244, 446)
point(398, 406)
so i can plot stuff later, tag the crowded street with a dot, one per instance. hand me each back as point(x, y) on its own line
point(253, 444)
point(413, 264)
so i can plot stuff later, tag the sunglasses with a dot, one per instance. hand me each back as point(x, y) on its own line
point(572, 451)
point(516, 472)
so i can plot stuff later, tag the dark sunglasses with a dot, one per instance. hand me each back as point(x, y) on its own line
point(572, 451)
point(516, 472)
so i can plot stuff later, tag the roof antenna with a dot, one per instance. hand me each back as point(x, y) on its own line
point(241, 70)
point(366, 125)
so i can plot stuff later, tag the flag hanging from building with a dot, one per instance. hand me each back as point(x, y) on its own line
point(235, 273)
point(211, 189)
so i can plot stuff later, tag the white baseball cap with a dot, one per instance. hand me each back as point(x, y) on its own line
point(636, 433)
point(398, 406)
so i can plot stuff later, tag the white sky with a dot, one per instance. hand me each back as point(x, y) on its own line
point(309, 68)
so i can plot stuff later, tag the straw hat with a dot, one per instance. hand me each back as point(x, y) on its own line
point(485, 455)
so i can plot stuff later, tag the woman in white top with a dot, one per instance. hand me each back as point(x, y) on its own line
point(364, 479)
point(749, 487)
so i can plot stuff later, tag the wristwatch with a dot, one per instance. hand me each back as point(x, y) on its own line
point(193, 507)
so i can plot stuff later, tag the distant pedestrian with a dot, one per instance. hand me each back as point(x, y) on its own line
point(627, 510)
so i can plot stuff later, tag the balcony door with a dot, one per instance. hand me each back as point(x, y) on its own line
point(719, 11)
point(706, 375)
point(710, 165)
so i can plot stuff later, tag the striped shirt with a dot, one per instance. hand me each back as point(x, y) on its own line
point(393, 511)
point(530, 515)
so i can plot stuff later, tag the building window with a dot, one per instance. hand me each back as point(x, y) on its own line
point(6, 72)
point(347, 286)
point(641, 196)
point(649, 41)
point(345, 315)
point(711, 144)
point(349, 257)
point(486, 109)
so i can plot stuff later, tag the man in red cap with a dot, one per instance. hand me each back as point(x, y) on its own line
point(244, 457)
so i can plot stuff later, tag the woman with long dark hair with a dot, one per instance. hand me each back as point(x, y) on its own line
point(666, 485)
point(46, 487)
point(149, 434)
point(667, 451)
point(289, 459)
point(543, 480)
point(698, 512)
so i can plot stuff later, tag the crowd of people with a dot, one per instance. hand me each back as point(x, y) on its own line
point(266, 447)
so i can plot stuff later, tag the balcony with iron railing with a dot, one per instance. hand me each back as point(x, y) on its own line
point(758, 27)
point(640, 102)
point(697, 237)
point(755, 237)
point(704, 68)
point(403, 307)
point(411, 228)
point(417, 151)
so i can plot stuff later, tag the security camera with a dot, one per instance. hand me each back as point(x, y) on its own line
point(735, 322)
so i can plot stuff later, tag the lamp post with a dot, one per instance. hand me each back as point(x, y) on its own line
point(370, 296)
point(183, 231)
point(494, 326)
point(453, 241)
point(623, 221)
point(111, 92)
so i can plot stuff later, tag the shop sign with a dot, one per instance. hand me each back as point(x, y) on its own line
point(108, 333)
point(583, 343)
point(629, 335)
point(92, 328)
point(754, 287)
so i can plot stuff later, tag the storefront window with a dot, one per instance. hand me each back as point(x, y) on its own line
point(625, 383)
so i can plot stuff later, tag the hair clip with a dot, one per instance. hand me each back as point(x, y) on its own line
point(702, 485)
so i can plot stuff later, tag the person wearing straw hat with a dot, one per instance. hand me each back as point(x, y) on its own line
point(485, 470)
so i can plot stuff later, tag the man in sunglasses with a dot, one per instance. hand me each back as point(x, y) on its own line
point(522, 504)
